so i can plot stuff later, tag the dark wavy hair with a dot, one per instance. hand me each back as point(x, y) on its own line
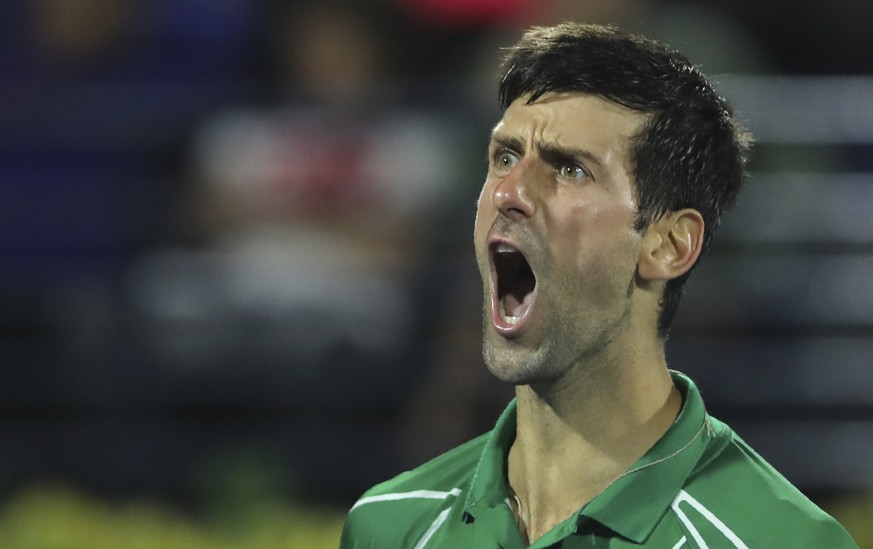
point(691, 152)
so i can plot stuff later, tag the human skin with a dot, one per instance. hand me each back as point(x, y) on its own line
point(559, 189)
point(577, 332)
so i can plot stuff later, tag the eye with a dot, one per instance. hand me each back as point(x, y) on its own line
point(503, 161)
point(572, 171)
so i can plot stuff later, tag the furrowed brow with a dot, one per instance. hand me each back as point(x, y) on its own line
point(507, 142)
point(557, 155)
point(552, 153)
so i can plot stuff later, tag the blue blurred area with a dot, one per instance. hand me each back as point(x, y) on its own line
point(94, 94)
point(241, 228)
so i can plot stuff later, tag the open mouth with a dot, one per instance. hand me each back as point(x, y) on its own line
point(516, 284)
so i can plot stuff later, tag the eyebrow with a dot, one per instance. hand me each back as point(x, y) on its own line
point(550, 152)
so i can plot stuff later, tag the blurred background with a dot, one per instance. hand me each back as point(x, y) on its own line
point(237, 284)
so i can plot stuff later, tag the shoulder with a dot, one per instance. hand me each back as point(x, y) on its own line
point(736, 494)
point(441, 473)
point(399, 511)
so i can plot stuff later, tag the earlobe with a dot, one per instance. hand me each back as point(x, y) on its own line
point(671, 245)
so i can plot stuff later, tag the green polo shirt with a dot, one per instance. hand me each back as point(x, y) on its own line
point(700, 486)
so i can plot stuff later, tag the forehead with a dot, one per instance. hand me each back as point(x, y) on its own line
point(572, 120)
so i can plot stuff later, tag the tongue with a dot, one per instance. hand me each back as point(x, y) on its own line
point(519, 294)
point(515, 305)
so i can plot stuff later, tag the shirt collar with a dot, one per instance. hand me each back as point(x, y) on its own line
point(634, 503)
point(488, 486)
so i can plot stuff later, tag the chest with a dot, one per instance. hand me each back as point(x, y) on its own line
point(497, 529)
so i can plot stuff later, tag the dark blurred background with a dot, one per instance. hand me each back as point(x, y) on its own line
point(236, 265)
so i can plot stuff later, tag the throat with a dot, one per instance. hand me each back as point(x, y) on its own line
point(556, 467)
point(533, 522)
point(541, 499)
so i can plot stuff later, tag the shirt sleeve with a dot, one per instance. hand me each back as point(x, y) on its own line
point(354, 535)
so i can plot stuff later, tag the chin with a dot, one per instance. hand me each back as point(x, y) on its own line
point(515, 366)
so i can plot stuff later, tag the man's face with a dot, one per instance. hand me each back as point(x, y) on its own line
point(555, 241)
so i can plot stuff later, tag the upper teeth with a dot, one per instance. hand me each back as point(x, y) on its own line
point(505, 249)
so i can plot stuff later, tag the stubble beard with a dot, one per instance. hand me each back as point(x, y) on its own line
point(569, 346)
point(513, 364)
point(560, 356)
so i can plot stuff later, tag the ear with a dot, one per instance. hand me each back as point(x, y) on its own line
point(671, 245)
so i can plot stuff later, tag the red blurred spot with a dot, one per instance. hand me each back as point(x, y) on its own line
point(460, 13)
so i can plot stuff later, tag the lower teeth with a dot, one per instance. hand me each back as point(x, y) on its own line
point(507, 318)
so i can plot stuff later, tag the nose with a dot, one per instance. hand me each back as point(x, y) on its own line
point(512, 194)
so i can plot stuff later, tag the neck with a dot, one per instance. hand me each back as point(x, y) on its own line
point(575, 438)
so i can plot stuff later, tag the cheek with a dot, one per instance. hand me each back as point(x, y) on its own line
point(481, 225)
point(485, 212)
point(606, 248)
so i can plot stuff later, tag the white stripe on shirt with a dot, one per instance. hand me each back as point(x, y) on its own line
point(441, 518)
point(416, 494)
point(708, 515)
